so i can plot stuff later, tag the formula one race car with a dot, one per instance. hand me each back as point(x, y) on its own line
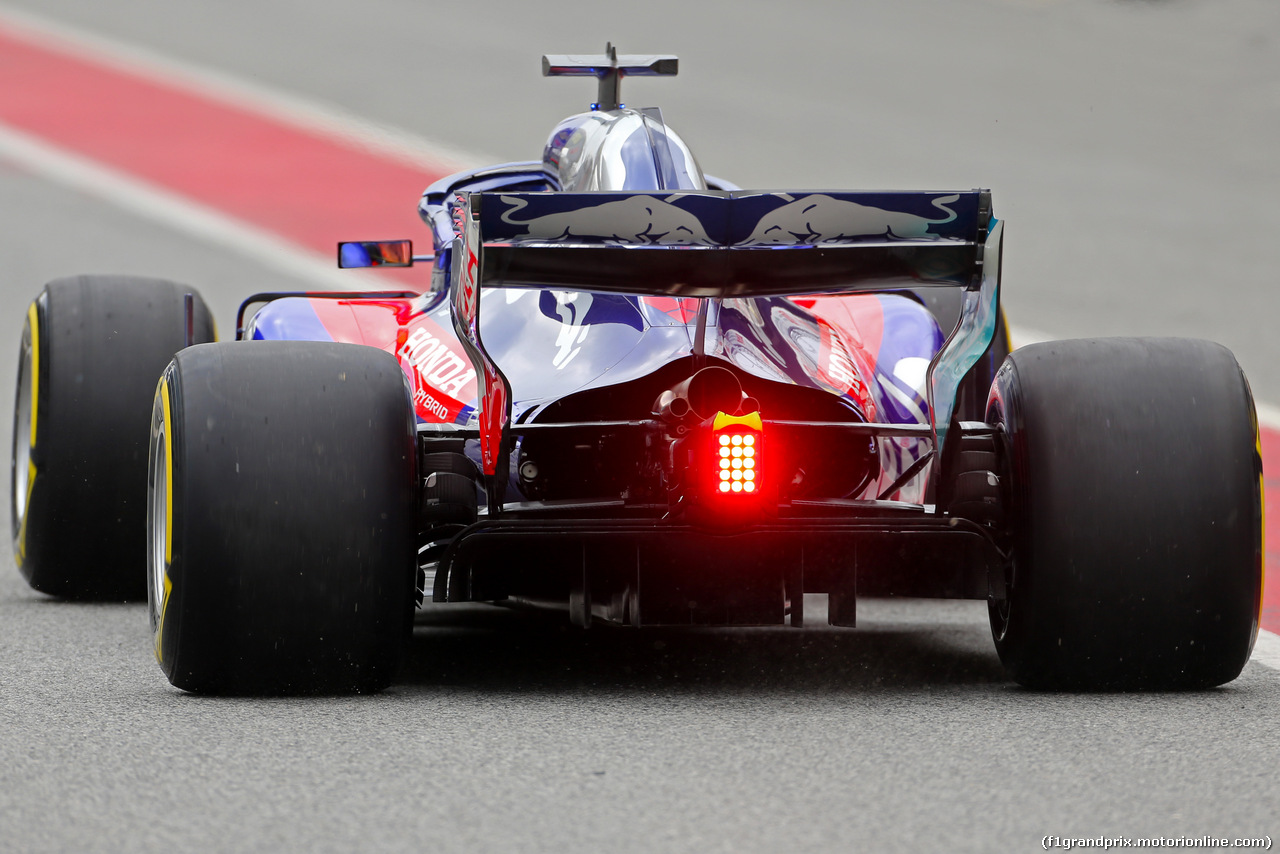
point(647, 397)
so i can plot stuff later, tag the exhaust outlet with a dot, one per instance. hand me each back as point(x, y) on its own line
point(710, 390)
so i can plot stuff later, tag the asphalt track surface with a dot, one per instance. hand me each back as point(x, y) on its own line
point(1130, 147)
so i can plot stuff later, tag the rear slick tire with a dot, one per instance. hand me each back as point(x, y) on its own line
point(92, 350)
point(283, 539)
point(1132, 481)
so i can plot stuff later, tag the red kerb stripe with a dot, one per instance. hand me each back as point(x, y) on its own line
point(1271, 482)
point(306, 187)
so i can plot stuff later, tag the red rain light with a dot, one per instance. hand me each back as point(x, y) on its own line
point(736, 448)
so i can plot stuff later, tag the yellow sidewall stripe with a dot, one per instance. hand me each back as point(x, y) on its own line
point(167, 427)
point(33, 327)
point(168, 473)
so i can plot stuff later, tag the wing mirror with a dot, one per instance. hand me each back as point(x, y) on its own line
point(378, 253)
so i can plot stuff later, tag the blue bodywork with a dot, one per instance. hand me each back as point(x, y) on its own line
point(552, 344)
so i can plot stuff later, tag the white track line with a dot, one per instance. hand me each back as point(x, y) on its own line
point(169, 209)
point(1266, 649)
point(203, 223)
point(1268, 415)
point(327, 120)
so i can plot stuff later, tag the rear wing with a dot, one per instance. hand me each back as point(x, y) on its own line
point(725, 244)
point(728, 244)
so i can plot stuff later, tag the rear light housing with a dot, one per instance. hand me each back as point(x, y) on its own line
point(737, 452)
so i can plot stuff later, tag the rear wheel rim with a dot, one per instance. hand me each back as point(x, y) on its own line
point(23, 469)
point(157, 518)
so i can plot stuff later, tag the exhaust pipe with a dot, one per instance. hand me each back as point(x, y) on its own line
point(710, 390)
